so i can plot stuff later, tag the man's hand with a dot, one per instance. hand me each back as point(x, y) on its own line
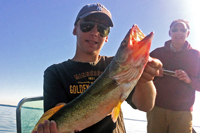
point(151, 70)
point(145, 91)
point(182, 75)
point(47, 127)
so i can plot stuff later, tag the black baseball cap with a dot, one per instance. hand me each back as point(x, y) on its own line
point(92, 9)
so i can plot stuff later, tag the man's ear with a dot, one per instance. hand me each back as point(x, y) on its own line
point(188, 33)
point(106, 40)
point(74, 30)
point(169, 33)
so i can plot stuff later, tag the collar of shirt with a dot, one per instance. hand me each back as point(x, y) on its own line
point(173, 49)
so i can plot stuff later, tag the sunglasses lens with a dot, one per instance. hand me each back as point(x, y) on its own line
point(174, 30)
point(103, 30)
point(87, 26)
point(182, 30)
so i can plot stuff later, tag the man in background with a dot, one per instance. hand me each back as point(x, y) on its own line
point(175, 88)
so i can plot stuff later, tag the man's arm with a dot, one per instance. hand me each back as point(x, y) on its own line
point(145, 91)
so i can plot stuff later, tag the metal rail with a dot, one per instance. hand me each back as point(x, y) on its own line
point(18, 110)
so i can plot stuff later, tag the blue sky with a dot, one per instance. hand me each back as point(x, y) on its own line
point(35, 34)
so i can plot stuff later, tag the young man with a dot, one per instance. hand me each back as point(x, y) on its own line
point(65, 81)
point(175, 92)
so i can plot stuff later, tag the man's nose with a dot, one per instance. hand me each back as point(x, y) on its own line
point(94, 31)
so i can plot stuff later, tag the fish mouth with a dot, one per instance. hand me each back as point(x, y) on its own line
point(142, 48)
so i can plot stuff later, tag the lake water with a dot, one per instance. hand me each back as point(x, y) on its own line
point(8, 122)
point(7, 119)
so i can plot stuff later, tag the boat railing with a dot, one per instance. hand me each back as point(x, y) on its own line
point(28, 112)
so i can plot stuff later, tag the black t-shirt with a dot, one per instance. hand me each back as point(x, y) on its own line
point(65, 81)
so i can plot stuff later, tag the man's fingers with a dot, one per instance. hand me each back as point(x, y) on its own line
point(153, 62)
point(40, 128)
point(46, 126)
point(146, 77)
point(151, 70)
point(53, 127)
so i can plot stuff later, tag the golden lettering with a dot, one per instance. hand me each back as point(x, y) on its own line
point(78, 89)
point(91, 78)
point(73, 89)
point(87, 74)
point(83, 75)
point(98, 73)
point(95, 73)
point(91, 73)
point(76, 77)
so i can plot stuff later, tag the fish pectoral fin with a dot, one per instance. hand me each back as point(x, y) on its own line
point(47, 115)
point(115, 112)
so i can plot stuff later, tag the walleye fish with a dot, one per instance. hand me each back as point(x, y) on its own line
point(105, 96)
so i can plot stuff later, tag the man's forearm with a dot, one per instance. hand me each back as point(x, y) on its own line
point(144, 96)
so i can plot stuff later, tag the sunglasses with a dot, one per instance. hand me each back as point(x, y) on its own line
point(87, 26)
point(175, 30)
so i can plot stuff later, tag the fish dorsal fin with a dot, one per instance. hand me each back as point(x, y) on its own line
point(47, 115)
point(115, 112)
